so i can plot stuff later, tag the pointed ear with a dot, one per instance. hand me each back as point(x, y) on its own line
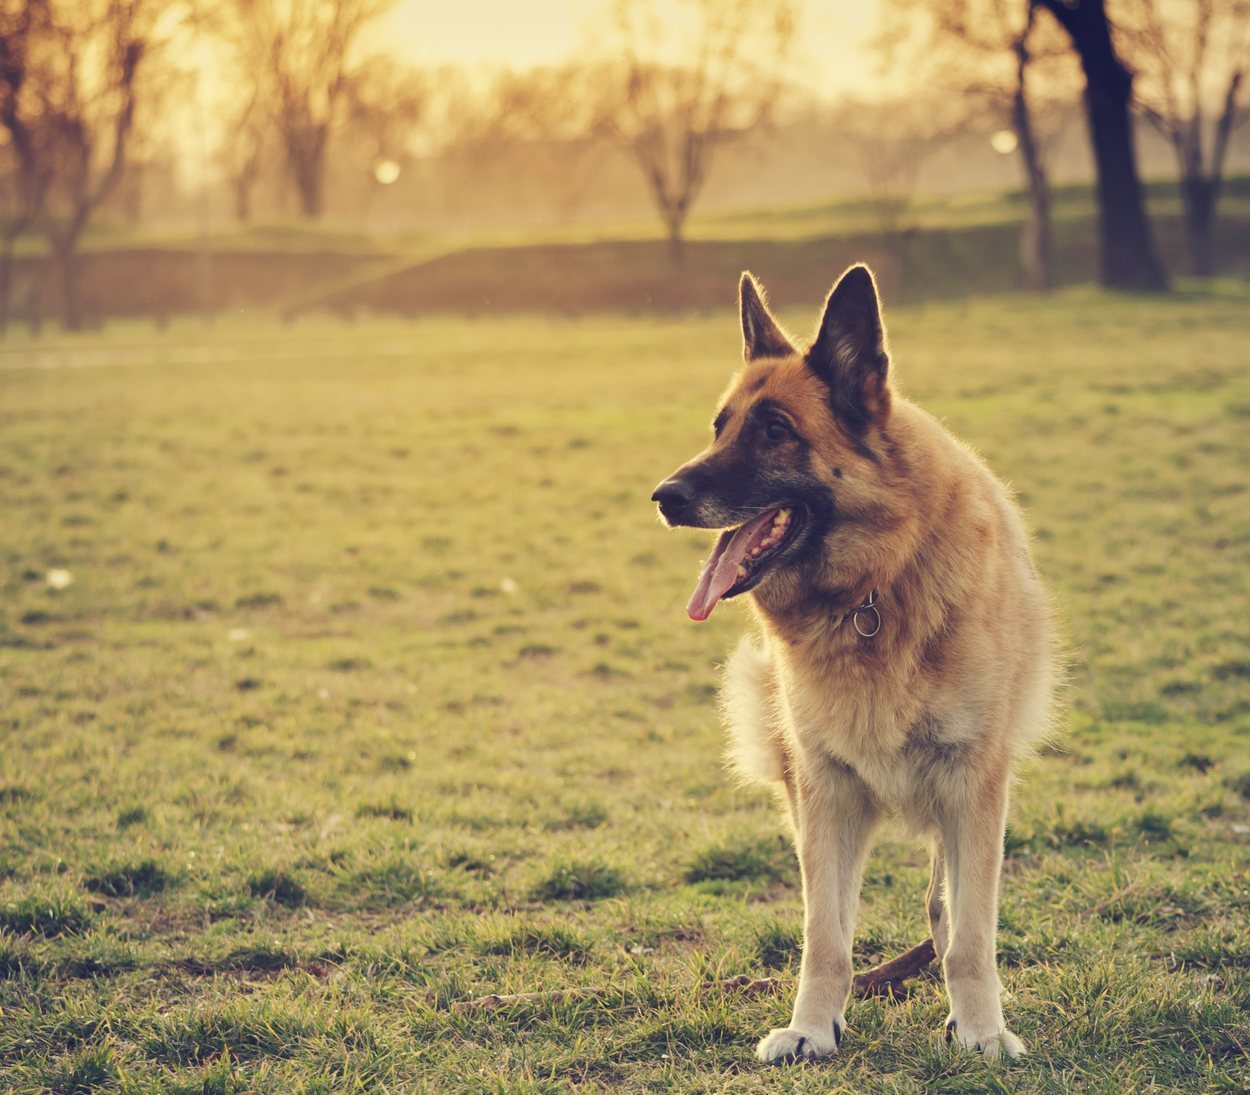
point(849, 353)
point(761, 337)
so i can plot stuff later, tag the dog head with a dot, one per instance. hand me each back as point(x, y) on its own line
point(796, 459)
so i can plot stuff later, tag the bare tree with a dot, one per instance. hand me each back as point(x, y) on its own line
point(1126, 244)
point(69, 84)
point(387, 103)
point(892, 140)
point(518, 139)
point(1191, 58)
point(298, 54)
point(669, 112)
point(469, 132)
point(552, 113)
point(19, 208)
point(1004, 60)
point(242, 154)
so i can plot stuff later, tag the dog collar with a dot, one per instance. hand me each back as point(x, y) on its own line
point(866, 619)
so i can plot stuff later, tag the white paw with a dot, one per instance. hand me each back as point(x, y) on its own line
point(786, 1044)
point(991, 1044)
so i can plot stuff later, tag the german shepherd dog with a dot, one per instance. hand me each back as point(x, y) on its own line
point(905, 660)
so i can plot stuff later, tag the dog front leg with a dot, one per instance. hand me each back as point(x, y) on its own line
point(972, 837)
point(835, 815)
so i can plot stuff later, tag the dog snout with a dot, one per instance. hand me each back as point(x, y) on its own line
point(674, 497)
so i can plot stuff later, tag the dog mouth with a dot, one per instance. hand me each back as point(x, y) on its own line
point(741, 558)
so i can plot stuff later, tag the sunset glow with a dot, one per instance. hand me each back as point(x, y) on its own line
point(834, 53)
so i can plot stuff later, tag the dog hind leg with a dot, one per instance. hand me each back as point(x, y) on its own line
point(938, 901)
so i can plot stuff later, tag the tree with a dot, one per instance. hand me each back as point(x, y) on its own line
point(469, 130)
point(19, 208)
point(69, 86)
point(386, 107)
point(669, 111)
point(386, 103)
point(518, 142)
point(551, 113)
point(242, 154)
point(1126, 245)
point(891, 140)
point(1191, 58)
point(1002, 60)
point(297, 54)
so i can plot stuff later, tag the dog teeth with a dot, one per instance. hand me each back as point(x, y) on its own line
point(781, 519)
point(742, 571)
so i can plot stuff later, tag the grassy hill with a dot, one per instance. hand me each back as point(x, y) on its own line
point(950, 248)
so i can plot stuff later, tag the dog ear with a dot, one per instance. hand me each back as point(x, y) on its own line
point(849, 353)
point(761, 337)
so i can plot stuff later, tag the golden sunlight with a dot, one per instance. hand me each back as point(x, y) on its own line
point(834, 54)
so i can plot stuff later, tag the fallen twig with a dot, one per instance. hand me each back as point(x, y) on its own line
point(886, 979)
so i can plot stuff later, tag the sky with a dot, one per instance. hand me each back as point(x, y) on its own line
point(832, 56)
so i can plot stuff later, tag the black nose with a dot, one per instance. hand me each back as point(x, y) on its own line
point(673, 496)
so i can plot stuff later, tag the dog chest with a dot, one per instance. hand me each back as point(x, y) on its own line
point(912, 760)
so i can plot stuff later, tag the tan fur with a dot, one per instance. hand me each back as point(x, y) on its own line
point(924, 720)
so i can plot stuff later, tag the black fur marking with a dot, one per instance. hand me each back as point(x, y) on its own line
point(766, 409)
point(798, 1050)
point(925, 745)
point(925, 730)
point(761, 337)
point(722, 420)
point(850, 348)
point(837, 473)
point(758, 383)
point(837, 1034)
point(864, 450)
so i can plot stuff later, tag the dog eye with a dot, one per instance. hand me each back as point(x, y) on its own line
point(777, 430)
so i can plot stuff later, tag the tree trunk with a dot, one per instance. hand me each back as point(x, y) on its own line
point(6, 279)
point(1036, 247)
point(1198, 197)
point(308, 186)
point(1036, 251)
point(306, 158)
point(1126, 246)
point(676, 241)
point(242, 198)
point(65, 254)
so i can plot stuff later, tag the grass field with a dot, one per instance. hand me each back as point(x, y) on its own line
point(372, 691)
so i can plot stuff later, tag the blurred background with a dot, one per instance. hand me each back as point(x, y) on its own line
point(365, 156)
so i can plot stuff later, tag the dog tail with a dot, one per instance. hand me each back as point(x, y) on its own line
point(756, 751)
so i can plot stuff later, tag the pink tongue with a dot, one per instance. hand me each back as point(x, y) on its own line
point(720, 572)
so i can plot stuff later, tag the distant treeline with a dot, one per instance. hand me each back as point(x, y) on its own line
point(311, 274)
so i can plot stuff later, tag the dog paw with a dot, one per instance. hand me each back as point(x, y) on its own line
point(991, 1044)
point(785, 1045)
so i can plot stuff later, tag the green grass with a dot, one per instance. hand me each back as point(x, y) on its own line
point(373, 692)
